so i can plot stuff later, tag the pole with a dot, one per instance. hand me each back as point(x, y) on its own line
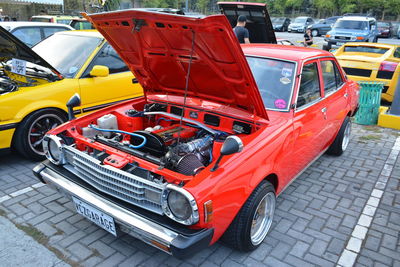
point(395, 107)
point(187, 6)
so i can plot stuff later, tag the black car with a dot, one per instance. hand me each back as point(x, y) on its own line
point(280, 24)
point(323, 26)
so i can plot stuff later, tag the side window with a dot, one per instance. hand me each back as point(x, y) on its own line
point(309, 86)
point(51, 30)
point(30, 36)
point(107, 57)
point(331, 75)
point(397, 52)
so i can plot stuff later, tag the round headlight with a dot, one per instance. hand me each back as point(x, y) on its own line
point(179, 205)
point(52, 147)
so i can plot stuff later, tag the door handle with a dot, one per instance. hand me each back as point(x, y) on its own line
point(323, 110)
point(346, 95)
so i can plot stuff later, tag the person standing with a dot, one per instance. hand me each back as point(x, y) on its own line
point(308, 38)
point(240, 31)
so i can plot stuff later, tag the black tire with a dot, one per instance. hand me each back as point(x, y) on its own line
point(339, 146)
point(27, 138)
point(238, 235)
point(327, 47)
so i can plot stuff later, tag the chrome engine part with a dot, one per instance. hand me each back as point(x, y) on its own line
point(7, 85)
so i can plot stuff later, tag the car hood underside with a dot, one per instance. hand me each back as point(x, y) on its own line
point(159, 48)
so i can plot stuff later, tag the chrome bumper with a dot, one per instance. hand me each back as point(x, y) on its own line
point(156, 235)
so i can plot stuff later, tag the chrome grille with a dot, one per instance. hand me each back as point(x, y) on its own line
point(115, 182)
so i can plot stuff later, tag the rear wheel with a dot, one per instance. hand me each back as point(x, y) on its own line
point(254, 220)
point(342, 139)
point(29, 135)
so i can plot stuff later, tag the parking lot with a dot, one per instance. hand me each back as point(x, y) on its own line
point(341, 210)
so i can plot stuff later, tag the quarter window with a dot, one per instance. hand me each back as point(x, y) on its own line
point(51, 30)
point(331, 75)
point(309, 90)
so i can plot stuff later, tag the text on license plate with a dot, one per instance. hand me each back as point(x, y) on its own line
point(339, 43)
point(103, 220)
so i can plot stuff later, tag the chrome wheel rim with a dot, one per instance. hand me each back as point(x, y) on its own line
point(262, 219)
point(314, 33)
point(346, 136)
point(39, 128)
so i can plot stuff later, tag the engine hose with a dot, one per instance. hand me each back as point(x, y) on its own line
point(122, 132)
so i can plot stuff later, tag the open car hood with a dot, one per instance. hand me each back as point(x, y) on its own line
point(157, 48)
point(258, 20)
point(11, 47)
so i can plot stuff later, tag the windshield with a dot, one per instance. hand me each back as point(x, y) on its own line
point(351, 24)
point(67, 53)
point(274, 80)
point(300, 20)
point(279, 20)
point(383, 24)
point(366, 49)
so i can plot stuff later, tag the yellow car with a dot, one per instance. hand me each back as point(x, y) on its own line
point(54, 19)
point(371, 62)
point(36, 83)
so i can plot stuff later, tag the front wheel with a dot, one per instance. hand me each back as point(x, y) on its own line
point(253, 222)
point(342, 139)
point(29, 135)
point(314, 33)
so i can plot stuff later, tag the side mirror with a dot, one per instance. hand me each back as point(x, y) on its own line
point(232, 145)
point(74, 101)
point(99, 71)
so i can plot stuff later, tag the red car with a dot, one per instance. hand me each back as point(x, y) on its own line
point(221, 131)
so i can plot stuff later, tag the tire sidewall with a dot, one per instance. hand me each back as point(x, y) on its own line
point(20, 140)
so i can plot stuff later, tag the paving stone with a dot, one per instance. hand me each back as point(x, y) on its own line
point(102, 248)
point(135, 259)
point(81, 252)
point(299, 249)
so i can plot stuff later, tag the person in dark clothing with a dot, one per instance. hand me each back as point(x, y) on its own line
point(308, 40)
point(240, 31)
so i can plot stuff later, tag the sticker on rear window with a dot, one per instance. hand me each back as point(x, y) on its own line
point(18, 66)
point(286, 72)
point(280, 103)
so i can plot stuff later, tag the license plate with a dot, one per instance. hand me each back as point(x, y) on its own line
point(103, 220)
point(339, 43)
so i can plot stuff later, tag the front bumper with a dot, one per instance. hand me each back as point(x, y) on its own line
point(156, 235)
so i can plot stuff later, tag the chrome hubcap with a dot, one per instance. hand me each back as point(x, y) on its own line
point(262, 219)
point(346, 136)
point(39, 128)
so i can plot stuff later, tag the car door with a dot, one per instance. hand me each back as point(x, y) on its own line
point(119, 85)
point(309, 117)
point(335, 98)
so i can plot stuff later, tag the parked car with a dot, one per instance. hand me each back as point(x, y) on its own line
point(300, 24)
point(395, 28)
point(53, 19)
point(281, 24)
point(372, 62)
point(258, 21)
point(351, 29)
point(323, 26)
point(32, 33)
point(36, 83)
point(193, 161)
point(385, 29)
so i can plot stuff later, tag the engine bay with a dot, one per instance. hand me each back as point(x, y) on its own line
point(161, 135)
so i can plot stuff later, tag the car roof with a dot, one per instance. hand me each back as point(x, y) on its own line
point(15, 24)
point(357, 18)
point(291, 53)
point(91, 33)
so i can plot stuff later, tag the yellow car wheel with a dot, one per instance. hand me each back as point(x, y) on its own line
point(29, 135)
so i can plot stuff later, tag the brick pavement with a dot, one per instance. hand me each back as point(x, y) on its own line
point(314, 220)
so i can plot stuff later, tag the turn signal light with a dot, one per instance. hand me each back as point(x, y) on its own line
point(360, 38)
point(208, 211)
point(327, 35)
point(388, 66)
